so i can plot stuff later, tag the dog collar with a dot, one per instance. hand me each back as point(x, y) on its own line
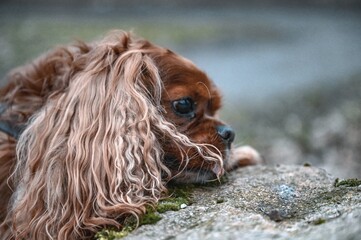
point(9, 127)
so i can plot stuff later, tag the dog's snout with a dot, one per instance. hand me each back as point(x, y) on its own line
point(226, 133)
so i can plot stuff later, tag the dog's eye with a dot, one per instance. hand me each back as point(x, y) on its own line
point(184, 107)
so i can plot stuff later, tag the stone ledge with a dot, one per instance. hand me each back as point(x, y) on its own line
point(263, 202)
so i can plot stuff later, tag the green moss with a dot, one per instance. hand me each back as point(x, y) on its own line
point(151, 217)
point(220, 200)
point(319, 221)
point(178, 195)
point(352, 182)
point(336, 182)
point(307, 164)
point(130, 223)
point(170, 205)
point(107, 234)
point(181, 191)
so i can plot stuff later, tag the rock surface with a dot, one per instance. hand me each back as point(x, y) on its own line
point(263, 202)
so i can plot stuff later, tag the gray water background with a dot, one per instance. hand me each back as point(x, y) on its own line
point(301, 48)
point(252, 54)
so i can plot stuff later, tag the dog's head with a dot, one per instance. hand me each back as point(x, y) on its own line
point(111, 123)
point(190, 102)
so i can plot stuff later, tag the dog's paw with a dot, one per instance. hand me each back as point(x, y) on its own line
point(243, 156)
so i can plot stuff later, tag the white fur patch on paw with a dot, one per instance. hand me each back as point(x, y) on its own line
point(244, 156)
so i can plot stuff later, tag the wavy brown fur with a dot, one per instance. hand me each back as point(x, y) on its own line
point(91, 153)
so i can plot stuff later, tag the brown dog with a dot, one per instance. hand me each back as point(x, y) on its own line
point(93, 132)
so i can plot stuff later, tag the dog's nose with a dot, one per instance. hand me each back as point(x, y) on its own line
point(226, 133)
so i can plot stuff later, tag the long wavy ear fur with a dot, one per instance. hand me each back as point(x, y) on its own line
point(91, 155)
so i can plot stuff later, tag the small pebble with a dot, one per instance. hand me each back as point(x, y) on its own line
point(183, 205)
point(275, 215)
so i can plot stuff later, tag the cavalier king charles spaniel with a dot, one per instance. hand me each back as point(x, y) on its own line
point(92, 133)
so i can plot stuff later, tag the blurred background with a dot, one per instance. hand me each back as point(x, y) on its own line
point(289, 70)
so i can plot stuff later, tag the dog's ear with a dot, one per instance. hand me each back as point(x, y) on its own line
point(91, 155)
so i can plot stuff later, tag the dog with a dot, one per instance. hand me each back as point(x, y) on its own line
point(92, 133)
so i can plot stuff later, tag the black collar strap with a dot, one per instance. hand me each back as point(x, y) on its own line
point(11, 129)
point(8, 127)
